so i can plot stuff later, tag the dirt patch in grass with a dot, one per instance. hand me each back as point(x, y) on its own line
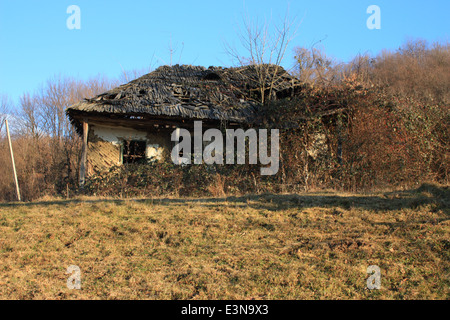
point(293, 246)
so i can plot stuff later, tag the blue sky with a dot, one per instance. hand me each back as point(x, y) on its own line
point(115, 35)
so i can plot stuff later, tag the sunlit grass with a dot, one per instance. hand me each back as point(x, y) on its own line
point(307, 246)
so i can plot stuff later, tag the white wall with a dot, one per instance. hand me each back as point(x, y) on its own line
point(116, 136)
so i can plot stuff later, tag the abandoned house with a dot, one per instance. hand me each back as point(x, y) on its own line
point(134, 121)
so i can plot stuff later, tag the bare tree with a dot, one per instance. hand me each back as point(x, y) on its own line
point(314, 66)
point(361, 66)
point(29, 116)
point(129, 75)
point(5, 109)
point(54, 99)
point(173, 50)
point(265, 47)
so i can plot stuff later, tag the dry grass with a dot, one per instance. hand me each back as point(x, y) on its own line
point(307, 246)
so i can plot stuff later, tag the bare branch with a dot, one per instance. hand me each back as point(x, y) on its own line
point(265, 47)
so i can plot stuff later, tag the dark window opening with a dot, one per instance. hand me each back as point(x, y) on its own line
point(134, 151)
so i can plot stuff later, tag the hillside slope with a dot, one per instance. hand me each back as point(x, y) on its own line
point(302, 246)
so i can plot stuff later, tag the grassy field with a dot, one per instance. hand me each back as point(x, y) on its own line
point(297, 246)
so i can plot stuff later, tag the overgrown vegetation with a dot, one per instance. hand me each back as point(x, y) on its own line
point(351, 137)
point(45, 144)
point(391, 131)
point(291, 246)
point(376, 141)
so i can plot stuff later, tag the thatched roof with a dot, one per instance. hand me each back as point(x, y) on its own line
point(188, 92)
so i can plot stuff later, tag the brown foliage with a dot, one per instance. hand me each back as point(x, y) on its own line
point(46, 147)
point(417, 70)
point(389, 129)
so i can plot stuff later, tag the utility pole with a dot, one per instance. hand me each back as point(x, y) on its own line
point(12, 160)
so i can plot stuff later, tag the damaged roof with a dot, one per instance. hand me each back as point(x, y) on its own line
point(190, 92)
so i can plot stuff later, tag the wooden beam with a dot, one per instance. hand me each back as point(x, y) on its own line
point(84, 153)
point(145, 120)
